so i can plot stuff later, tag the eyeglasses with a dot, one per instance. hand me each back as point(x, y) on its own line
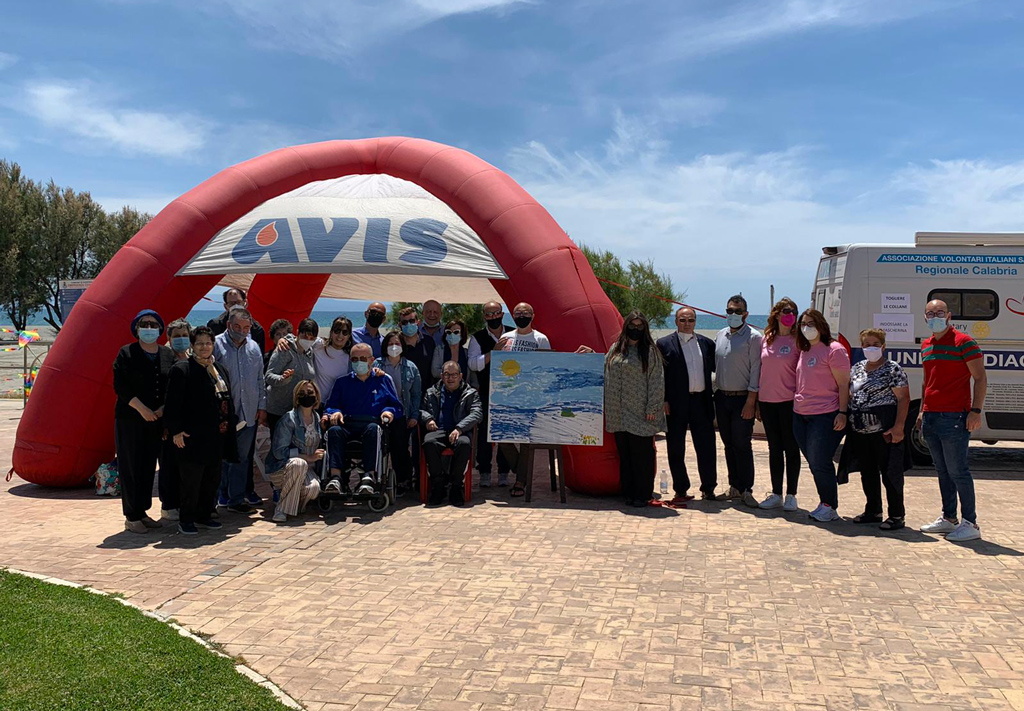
point(935, 314)
point(407, 321)
point(522, 314)
point(686, 320)
point(341, 329)
point(492, 314)
point(787, 311)
point(361, 359)
point(734, 311)
point(149, 324)
point(453, 333)
point(450, 375)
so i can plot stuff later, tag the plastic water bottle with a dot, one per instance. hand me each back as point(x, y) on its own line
point(664, 482)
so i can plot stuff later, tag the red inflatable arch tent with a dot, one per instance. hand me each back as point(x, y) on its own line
point(474, 233)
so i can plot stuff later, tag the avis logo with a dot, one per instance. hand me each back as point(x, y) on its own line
point(273, 237)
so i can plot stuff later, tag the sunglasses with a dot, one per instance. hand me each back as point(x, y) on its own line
point(687, 320)
point(407, 321)
point(341, 329)
point(453, 333)
point(149, 324)
point(492, 314)
point(787, 311)
point(734, 311)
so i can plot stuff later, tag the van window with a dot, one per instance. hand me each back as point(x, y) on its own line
point(969, 304)
point(824, 269)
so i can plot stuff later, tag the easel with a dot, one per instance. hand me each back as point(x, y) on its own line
point(554, 456)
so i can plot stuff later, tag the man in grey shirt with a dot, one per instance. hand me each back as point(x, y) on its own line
point(738, 368)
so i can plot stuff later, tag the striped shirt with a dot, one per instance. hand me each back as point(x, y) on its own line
point(947, 380)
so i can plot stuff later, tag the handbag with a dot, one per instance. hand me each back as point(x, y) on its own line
point(873, 419)
point(107, 481)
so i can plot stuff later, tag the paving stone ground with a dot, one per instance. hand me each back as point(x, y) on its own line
point(586, 605)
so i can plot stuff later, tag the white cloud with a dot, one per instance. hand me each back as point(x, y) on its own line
point(964, 195)
point(84, 111)
point(7, 60)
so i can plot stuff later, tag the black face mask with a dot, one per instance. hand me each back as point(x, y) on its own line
point(634, 334)
point(523, 321)
point(375, 319)
point(307, 400)
point(493, 323)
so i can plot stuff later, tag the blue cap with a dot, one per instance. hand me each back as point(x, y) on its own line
point(138, 317)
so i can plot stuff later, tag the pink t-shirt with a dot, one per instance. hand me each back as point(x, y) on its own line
point(778, 369)
point(816, 390)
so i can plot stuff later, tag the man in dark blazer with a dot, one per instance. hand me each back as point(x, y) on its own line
point(689, 362)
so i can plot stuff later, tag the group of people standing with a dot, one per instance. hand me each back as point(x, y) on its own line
point(797, 379)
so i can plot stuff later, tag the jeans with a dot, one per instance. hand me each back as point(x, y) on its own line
point(736, 434)
point(233, 475)
point(947, 437)
point(702, 431)
point(369, 433)
point(783, 451)
point(819, 441)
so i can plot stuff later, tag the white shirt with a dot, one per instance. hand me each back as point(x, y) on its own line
point(532, 341)
point(330, 364)
point(477, 357)
point(694, 361)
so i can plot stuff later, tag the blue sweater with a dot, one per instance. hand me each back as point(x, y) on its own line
point(370, 398)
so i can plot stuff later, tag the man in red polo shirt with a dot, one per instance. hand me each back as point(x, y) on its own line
point(950, 411)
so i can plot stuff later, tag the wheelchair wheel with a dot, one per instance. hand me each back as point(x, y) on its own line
point(324, 504)
point(379, 502)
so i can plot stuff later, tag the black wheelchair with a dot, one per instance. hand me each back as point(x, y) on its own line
point(381, 492)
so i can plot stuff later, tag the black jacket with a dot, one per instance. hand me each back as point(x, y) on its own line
point(135, 375)
point(193, 407)
point(677, 375)
point(220, 324)
point(487, 344)
point(468, 412)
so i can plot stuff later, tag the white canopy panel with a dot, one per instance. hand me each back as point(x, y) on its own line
point(391, 287)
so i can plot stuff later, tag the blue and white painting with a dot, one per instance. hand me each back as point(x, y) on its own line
point(543, 397)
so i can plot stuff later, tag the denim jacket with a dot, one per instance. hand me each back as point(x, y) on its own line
point(289, 440)
point(412, 385)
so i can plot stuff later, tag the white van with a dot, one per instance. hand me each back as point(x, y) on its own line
point(980, 277)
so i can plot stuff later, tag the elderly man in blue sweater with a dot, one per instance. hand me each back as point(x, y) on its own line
point(358, 404)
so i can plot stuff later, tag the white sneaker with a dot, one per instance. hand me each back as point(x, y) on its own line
point(816, 511)
point(966, 531)
point(279, 516)
point(825, 513)
point(940, 525)
point(773, 501)
point(366, 485)
point(169, 514)
point(790, 504)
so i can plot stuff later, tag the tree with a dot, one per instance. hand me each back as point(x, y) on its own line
point(470, 314)
point(21, 209)
point(643, 282)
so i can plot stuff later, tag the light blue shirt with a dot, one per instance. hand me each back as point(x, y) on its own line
point(363, 335)
point(244, 364)
point(437, 336)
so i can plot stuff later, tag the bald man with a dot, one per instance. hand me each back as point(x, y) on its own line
point(370, 333)
point(431, 327)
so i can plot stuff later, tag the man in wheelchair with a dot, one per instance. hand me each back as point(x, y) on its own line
point(451, 409)
point(359, 403)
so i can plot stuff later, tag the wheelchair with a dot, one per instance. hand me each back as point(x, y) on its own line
point(383, 494)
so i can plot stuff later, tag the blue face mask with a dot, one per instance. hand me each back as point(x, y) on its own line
point(410, 329)
point(236, 336)
point(180, 344)
point(361, 367)
point(453, 338)
point(149, 335)
point(735, 320)
point(937, 324)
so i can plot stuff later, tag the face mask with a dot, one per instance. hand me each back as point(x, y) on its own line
point(494, 323)
point(361, 367)
point(453, 338)
point(410, 329)
point(633, 333)
point(149, 335)
point(435, 324)
point(237, 337)
point(523, 321)
point(394, 350)
point(810, 332)
point(375, 319)
point(937, 324)
point(735, 320)
point(873, 354)
point(307, 400)
point(180, 343)
point(787, 320)
point(305, 344)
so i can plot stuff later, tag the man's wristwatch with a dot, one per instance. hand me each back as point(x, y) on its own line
point(976, 410)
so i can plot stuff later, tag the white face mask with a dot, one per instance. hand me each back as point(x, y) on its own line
point(873, 353)
point(305, 344)
point(810, 332)
point(394, 350)
point(735, 320)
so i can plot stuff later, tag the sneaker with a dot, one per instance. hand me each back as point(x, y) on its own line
point(333, 487)
point(187, 529)
point(253, 499)
point(210, 524)
point(710, 496)
point(773, 501)
point(825, 513)
point(790, 504)
point(135, 526)
point(816, 511)
point(485, 480)
point(680, 499)
point(730, 495)
point(169, 514)
point(940, 525)
point(966, 531)
point(222, 502)
point(749, 500)
point(276, 495)
point(279, 516)
point(365, 485)
point(150, 523)
point(242, 508)
point(502, 479)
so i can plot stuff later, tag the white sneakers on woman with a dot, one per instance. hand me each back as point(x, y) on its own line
point(773, 501)
point(956, 532)
point(790, 504)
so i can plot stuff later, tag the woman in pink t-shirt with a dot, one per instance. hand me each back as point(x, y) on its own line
point(779, 354)
point(819, 406)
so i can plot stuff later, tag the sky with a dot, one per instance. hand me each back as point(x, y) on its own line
point(726, 140)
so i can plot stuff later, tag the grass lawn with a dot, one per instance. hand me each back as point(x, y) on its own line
point(68, 649)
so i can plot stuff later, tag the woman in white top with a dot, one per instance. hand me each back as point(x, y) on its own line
point(330, 357)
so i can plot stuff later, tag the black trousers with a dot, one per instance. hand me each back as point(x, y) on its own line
point(250, 483)
point(436, 442)
point(138, 447)
point(398, 441)
point(636, 466)
point(168, 483)
point(702, 432)
point(199, 483)
point(880, 463)
point(736, 434)
point(484, 450)
point(783, 451)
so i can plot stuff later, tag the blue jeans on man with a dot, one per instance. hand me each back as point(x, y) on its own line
point(948, 439)
point(233, 474)
point(819, 441)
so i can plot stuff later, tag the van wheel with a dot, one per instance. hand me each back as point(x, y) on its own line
point(919, 452)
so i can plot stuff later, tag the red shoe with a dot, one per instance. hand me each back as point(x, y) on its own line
point(680, 500)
